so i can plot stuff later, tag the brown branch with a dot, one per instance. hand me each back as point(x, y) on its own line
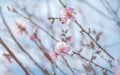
point(43, 51)
point(83, 30)
point(46, 54)
point(62, 4)
point(43, 70)
point(15, 58)
point(68, 65)
point(91, 62)
point(92, 38)
point(37, 26)
point(60, 69)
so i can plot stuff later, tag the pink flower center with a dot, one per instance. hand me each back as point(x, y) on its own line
point(21, 28)
point(68, 14)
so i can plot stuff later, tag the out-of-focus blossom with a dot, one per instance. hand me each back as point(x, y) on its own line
point(98, 52)
point(33, 36)
point(7, 57)
point(67, 15)
point(93, 57)
point(69, 39)
point(53, 55)
point(19, 27)
point(63, 48)
point(35, 29)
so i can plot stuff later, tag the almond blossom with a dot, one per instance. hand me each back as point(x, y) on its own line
point(69, 39)
point(19, 27)
point(32, 36)
point(67, 15)
point(53, 55)
point(63, 48)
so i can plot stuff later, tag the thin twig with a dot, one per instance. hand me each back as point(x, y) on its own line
point(91, 62)
point(96, 9)
point(62, 4)
point(94, 40)
point(59, 69)
point(44, 31)
point(110, 10)
point(42, 49)
point(68, 65)
point(38, 26)
point(43, 70)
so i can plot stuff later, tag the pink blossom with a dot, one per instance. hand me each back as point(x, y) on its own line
point(33, 36)
point(19, 27)
point(69, 39)
point(63, 48)
point(67, 15)
point(53, 55)
point(35, 29)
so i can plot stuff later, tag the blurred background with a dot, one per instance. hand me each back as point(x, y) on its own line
point(100, 16)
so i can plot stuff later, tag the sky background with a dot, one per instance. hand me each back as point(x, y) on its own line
point(90, 14)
